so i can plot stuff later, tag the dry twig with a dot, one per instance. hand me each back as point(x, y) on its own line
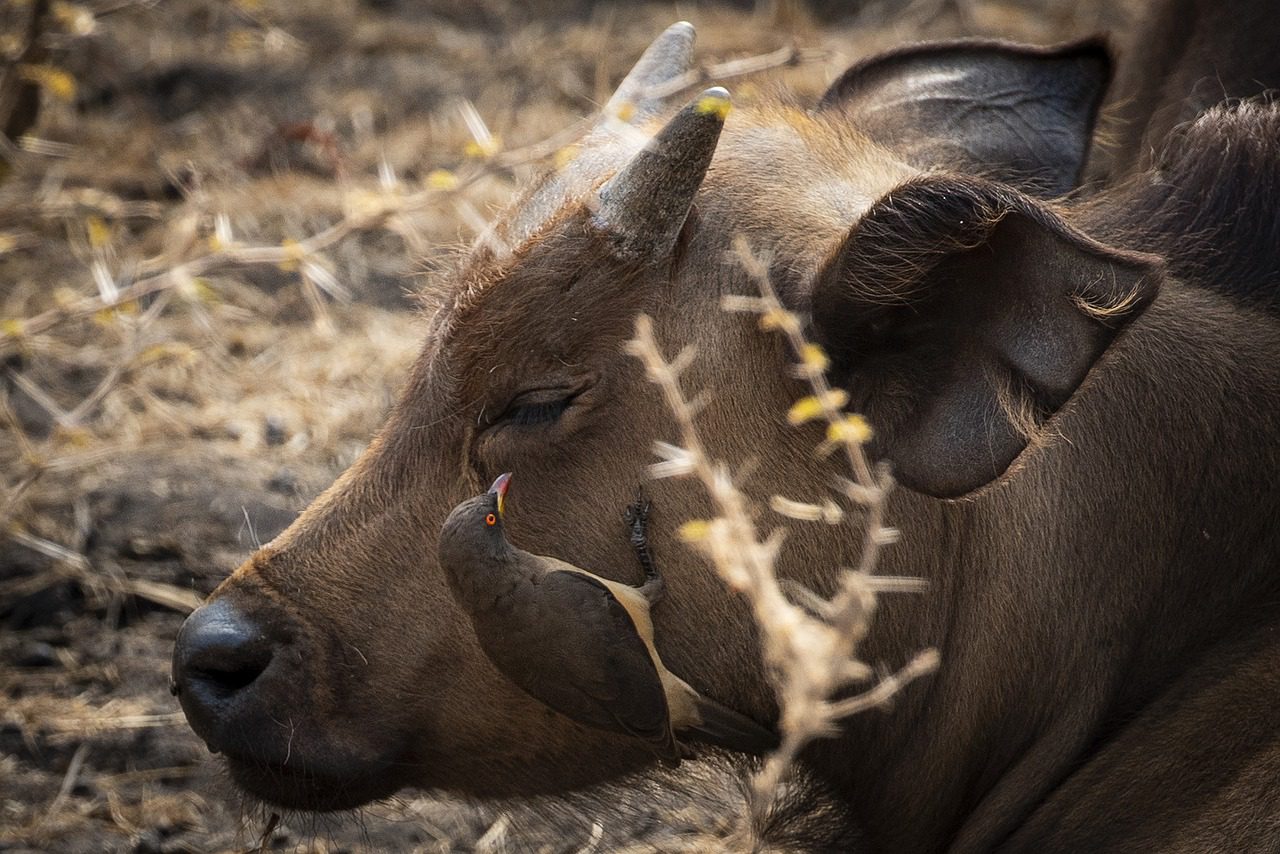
point(810, 652)
point(388, 206)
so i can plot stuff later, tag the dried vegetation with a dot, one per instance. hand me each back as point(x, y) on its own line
point(810, 644)
point(210, 216)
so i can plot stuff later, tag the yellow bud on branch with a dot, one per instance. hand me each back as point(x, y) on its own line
point(811, 407)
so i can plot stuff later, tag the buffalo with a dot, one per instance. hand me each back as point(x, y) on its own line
point(1077, 395)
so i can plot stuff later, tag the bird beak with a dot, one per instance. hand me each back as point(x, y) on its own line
point(499, 489)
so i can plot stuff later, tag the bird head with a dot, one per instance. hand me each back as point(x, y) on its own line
point(473, 534)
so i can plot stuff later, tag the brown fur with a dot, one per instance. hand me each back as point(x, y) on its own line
point(1180, 58)
point(1104, 611)
point(1214, 186)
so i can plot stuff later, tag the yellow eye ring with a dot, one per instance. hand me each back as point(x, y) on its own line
point(491, 519)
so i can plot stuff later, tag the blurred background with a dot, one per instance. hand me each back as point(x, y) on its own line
point(213, 218)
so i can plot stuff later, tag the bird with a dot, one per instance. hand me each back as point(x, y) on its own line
point(579, 643)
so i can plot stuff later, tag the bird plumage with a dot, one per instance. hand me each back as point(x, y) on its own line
point(577, 642)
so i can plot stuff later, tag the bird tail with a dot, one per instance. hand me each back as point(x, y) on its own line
point(726, 728)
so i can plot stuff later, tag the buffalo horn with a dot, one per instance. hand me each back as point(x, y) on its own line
point(654, 78)
point(644, 205)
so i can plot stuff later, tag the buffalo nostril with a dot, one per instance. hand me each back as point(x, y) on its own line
point(229, 671)
point(221, 647)
point(220, 652)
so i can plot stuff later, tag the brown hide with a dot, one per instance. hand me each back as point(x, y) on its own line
point(1102, 602)
point(1177, 59)
point(1214, 187)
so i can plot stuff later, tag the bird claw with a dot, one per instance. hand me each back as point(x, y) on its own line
point(637, 515)
point(637, 518)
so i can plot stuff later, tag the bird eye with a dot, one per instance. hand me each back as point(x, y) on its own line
point(491, 519)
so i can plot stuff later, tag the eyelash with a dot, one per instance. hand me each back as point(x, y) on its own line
point(536, 413)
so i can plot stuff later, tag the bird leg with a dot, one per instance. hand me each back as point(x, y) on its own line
point(637, 517)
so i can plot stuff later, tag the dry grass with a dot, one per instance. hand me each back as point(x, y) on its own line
point(206, 236)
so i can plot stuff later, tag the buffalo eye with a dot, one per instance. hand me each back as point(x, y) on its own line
point(536, 409)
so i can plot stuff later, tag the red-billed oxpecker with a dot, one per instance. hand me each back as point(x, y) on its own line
point(579, 643)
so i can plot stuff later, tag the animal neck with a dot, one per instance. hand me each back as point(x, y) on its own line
point(1035, 678)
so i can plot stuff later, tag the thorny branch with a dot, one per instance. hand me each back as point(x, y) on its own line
point(810, 650)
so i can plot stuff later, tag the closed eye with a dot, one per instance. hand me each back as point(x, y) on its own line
point(531, 414)
point(537, 408)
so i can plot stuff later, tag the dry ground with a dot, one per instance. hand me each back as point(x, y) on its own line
point(299, 165)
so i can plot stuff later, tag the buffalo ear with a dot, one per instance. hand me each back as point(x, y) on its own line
point(1022, 115)
point(960, 314)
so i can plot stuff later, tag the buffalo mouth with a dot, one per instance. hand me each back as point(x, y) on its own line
point(313, 787)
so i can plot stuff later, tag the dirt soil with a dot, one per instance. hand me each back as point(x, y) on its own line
point(255, 189)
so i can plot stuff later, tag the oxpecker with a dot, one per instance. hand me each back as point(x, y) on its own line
point(579, 643)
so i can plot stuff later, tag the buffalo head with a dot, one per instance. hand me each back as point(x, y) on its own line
point(904, 219)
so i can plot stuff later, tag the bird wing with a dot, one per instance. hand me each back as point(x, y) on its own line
point(585, 659)
point(635, 603)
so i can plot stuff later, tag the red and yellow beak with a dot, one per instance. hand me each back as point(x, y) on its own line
point(499, 489)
